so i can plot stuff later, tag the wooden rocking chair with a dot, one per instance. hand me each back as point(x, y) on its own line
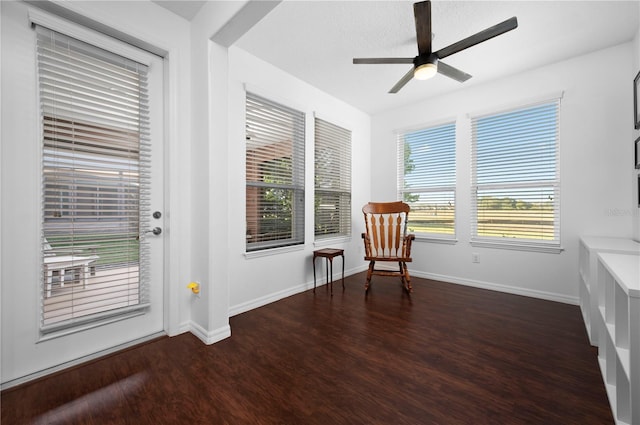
point(386, 239)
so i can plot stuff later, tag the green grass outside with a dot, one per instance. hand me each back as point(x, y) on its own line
point(111, 248)
point(521, 224)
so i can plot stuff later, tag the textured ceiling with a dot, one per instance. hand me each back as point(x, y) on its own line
point(316, 41)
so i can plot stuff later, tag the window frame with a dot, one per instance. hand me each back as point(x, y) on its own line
point(441, 190)
point(519, 185)
point(263, 129)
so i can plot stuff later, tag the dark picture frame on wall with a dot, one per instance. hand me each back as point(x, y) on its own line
point(636, 107)
point(636, 158)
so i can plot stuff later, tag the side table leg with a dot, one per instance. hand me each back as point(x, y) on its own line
point(314, 274)
point(331, 262)
point(326, 264)
point(343, 271)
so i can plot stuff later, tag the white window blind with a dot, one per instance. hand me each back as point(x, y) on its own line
point(515, 177)
point(332, 180)
point(275, 137)
point(95, 179)
point(427, 179)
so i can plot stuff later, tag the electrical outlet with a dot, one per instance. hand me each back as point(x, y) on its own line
point(475, 257)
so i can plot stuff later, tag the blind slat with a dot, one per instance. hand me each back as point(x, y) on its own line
point(95, 168)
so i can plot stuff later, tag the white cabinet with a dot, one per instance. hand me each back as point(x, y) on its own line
point(590, 246)
point(618, 302)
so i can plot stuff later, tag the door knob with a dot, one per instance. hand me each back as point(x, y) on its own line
point(156, 231)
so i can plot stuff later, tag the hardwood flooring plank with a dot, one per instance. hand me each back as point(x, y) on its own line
point(447, 354)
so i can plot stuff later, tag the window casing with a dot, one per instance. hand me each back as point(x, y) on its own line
point(332, 180)
point(275, 137)
point(427, 179)
point(515, 178)
point(95, 162)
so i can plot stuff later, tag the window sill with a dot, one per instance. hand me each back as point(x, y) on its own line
point(273, 251)
point(515, 246)
point(332, 241)
point(435, 239)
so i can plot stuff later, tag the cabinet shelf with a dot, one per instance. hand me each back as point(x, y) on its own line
point(591, 295)
point(609, 286)
point(618, 312)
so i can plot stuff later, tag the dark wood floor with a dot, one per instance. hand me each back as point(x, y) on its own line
point(448, 355)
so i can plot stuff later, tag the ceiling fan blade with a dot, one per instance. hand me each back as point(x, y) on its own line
point(404, 80)
point(381, 60)
point(494, 31)
point(451, 72)
point(422, 14)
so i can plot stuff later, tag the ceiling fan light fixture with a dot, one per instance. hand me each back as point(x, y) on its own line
point(425, 71)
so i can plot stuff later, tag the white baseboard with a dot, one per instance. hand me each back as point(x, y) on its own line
point(267, 299)
point(210, 337)
point(549, 296)
point(183, 327)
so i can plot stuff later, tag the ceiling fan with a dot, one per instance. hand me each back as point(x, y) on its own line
point(427, 63)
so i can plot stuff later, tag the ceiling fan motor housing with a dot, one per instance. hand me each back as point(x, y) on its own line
point(424, 59)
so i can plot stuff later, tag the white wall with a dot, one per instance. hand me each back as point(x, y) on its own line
point(596, 179)
point(231, 283)
point(257, 281)
point(209, 175)
point(635, 195)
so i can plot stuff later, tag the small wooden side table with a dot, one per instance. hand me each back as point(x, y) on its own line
point(329, 254)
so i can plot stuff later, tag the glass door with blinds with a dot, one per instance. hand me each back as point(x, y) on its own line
point(102, 206)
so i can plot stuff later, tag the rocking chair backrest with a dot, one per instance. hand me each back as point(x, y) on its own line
point(386, 230)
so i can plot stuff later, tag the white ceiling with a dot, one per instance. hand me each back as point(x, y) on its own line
point(316, 41)
point(185, 8)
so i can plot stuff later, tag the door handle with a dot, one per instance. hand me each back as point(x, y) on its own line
point(156, 231)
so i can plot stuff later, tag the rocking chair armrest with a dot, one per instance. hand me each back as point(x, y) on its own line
point(367, 244)
point(407, 244)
